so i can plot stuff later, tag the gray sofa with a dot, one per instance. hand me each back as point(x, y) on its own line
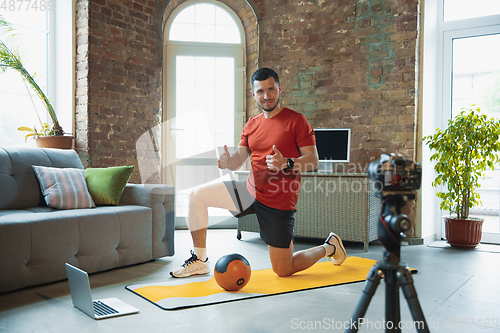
point(36, 240)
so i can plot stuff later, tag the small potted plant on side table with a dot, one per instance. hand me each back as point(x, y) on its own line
point(463, 151)
point(10, 58)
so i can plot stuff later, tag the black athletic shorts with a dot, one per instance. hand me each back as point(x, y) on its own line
point(276, 225)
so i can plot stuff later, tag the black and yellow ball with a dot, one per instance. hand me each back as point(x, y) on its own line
point(232, 272)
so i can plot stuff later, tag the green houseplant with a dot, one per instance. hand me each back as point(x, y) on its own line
point(11, 59)
point(463, 151)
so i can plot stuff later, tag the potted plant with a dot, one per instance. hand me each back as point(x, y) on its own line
point(10, 58)
point(463, 151)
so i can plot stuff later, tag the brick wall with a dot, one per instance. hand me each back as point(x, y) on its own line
point(118, 79)
point(348, 63)
point(343, 63)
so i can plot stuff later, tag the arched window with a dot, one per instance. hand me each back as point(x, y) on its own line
point(205, 23)
point(204, 69)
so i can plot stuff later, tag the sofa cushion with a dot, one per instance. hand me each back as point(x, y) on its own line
point(64, 188)
point(18, 184)
point(106, 185)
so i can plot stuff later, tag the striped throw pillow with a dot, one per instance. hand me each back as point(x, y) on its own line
point(64, 188)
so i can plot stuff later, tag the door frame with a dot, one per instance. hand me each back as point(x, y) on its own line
point(447, 72)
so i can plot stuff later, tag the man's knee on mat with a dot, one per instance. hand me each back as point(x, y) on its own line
point(282, 260)
point(283, 271)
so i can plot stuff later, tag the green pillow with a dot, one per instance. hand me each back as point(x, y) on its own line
point(106, 185)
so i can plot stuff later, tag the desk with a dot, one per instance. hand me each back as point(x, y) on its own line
point(342, 203)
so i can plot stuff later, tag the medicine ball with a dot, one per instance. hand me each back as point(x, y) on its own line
point(232, 272)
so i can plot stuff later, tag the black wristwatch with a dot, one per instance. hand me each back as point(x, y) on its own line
point(289, 164)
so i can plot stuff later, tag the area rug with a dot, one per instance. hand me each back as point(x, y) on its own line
point(203, 290)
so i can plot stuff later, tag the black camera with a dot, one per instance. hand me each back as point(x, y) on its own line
point(395, 175)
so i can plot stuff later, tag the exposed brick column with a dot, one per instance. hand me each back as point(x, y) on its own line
point(82, 71)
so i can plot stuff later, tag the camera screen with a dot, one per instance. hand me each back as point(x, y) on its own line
point(394, 177)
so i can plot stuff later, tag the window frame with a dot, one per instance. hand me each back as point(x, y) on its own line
point(62, 53)
point(60, 74)
point(435, 97)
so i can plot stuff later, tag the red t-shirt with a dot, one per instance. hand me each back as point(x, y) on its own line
point(289, 131)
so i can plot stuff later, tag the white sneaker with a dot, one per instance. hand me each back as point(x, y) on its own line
point(338, 255)
point(192, 266)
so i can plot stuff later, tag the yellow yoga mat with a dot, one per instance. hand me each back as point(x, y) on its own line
point(204, 290)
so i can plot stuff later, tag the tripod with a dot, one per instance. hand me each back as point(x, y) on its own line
point(391, 225)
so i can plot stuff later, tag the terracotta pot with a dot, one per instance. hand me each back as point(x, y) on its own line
point(55, 141)
point(463, 233)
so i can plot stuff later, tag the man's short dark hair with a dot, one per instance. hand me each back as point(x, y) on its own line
point(264, 74)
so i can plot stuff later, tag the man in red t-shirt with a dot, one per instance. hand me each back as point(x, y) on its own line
point(281, 144)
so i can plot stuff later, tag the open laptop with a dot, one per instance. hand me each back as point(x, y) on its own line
point(82, 299)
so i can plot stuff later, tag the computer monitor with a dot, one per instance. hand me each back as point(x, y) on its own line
point(333, 144)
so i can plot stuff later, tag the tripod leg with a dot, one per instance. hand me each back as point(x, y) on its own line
point(406, 282)
point(371, 284)
point(392, 307)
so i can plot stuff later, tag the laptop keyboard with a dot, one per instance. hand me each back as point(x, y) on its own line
point(102, 309)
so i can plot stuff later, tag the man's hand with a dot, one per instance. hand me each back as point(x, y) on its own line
point(224, 158)
point(276, 162)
